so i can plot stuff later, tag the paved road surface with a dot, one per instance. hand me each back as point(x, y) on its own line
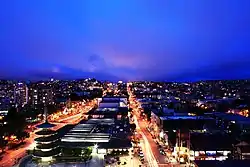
point(161, 159)
point(151, 151)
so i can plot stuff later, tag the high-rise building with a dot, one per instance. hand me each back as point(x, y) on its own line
point(6, 95)
point(47, 96)
point(41, 95)
point(7, 92)
point(21, 94)
point(33, 96)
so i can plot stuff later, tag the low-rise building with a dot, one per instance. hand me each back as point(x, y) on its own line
point(205, 146)
point(104, 135)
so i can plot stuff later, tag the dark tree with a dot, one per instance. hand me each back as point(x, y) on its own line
point(75, 97)
point(21, 135)
point(51, 109)
point(29, 112)
point(15, 121)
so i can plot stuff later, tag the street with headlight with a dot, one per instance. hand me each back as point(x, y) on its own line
point(149, 146)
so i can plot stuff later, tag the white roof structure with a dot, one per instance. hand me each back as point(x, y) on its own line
point(85, 132)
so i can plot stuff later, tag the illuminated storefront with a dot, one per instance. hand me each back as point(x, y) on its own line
point(209, 155)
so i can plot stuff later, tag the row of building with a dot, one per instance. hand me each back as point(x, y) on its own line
point(198, 121)
point(37, 94)
point(214, 136)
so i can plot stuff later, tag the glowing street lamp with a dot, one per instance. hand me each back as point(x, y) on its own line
point(161, 134)
point(95, 146)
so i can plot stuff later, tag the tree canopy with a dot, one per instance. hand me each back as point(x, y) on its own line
point(15, 121)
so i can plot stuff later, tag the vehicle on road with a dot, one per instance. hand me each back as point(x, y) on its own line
point(162, 152)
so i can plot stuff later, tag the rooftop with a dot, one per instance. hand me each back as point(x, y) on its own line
point(233, 117)
point(113, 143)
point(101, 121)
point(75, 144)
point(109, 111)
point(45, 125)
point(96, 131)
point(211, 142)
point(45, 132)
point(86, 137)
point(110, 100)
point(187, 117)
point(106, 109)
point(90, 131)
point(116, 143)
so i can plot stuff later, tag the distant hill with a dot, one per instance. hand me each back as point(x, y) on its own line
point(64, 73)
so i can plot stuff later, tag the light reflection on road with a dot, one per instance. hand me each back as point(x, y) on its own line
point(146, 147)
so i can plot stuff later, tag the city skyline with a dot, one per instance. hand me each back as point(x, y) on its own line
point(128, 40)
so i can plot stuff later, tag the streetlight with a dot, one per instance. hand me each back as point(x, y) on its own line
point(95, 147)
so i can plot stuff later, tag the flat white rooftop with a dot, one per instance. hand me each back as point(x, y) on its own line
point(86, 132)
point(101, 121)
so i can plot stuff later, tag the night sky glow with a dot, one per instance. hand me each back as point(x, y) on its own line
point(125, 39)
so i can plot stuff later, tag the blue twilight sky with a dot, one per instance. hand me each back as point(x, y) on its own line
point(125, 39)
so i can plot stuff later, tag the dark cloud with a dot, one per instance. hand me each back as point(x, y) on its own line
point(70, 73)
point(97, 63)
point(235, 69)
point(132, 39)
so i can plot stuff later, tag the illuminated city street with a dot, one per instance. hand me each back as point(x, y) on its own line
point(151, 161)
point(150, 148)
point(11, 157)
point(75, 114)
